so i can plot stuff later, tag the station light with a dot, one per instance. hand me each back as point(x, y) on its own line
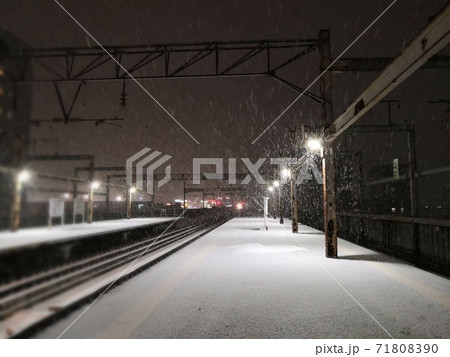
point(276, 183)
point(119, 198)
point(132, 190)
point(23, 176)
point(270, 188)
point(95, 185)
point(314, 145)
point(239, 206)
point(285, 173)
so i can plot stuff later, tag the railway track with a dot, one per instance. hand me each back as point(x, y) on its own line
point(26, 292)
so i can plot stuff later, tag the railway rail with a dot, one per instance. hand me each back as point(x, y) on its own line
point(25, 292)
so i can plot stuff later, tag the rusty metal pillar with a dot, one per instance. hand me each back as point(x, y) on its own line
point(16, 204)
point(412, 168)
point(329, 188)
point(91, 204)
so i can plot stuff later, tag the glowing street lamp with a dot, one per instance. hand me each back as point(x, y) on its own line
point(276, 183)
point(23, 176)
point(94, 185)
point(270, 188)
point(314, 145)
point(285, 173)
point(20, 178)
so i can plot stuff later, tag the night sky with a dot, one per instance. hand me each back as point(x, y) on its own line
point(226, 114)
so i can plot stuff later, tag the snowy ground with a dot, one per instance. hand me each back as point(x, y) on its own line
point(240, 281)
point(37, 236)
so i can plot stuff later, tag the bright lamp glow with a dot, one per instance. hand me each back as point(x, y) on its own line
point(276, 183)
point(95, 185)
point(23, 176)
point(270, 188)
point(119, 198)
point(132, 189)
point(285, 173)
point(239, 206)
point(314, 145)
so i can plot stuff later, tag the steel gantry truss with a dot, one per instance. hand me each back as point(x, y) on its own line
point(177, 60)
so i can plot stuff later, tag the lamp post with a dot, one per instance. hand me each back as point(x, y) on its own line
point(329, 194)
point(19, 179)
point(276, 185)
point(94, 185)
point(287, 174)
point(130, 191)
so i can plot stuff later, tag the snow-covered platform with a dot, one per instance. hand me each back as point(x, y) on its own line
point(30, 237)
point(240, 281)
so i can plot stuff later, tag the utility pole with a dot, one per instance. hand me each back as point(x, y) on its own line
point(328, 165)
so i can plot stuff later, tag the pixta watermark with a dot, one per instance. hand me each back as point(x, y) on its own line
point(304, 169)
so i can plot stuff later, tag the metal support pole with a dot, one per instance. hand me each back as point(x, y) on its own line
point(412, 168)
point(203, 198)
point(329, 199)
point(108, 181)
point(184, 194)
point(128, 201)
point(329, 187)
point(17, 200)
point(280, 196)
point(75, 188)
point(280, 201)
point(266, 213)
point(91, 204)
point(294, 205)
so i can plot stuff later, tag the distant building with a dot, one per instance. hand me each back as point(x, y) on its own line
point(15, 111)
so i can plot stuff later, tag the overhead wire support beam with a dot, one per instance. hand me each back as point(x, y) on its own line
point(427, 43)
point(79, 63)
point(378, 64)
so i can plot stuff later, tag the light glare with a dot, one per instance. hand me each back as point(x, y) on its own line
point(24, 176)
point(314, 145)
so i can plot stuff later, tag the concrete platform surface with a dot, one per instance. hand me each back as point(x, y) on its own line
point(240, 281)
point(36, 236)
